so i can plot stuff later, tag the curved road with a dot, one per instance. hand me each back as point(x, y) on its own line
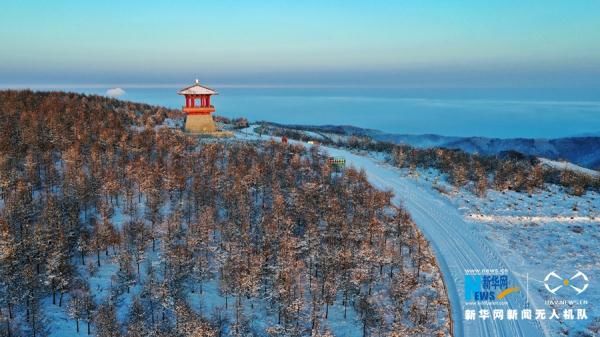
point(457, 245)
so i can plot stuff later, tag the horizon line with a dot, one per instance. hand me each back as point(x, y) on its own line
point(34, 86)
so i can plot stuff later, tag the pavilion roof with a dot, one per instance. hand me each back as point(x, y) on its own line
point(197, 89)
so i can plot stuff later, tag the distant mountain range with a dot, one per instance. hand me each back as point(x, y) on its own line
point(582, 150)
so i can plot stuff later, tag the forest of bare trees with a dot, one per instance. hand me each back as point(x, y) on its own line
point(508, 171)
point(87, 181)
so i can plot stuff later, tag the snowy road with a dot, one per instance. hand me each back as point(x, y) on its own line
point(457, 244)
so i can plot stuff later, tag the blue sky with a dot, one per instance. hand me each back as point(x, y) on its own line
point(390, 43)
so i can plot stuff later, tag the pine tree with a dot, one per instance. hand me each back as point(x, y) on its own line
point(126, 274)
point(369, 314)
point(137, 326)
point(78, 305)
point(11, 287)
point(106, 321)
point(200, 245)
point(59, 269)
point(481, 184)
point(37, 320)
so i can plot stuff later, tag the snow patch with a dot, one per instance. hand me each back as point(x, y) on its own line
point(564, 165)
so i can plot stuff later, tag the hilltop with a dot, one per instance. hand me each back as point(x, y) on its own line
point(113, 222)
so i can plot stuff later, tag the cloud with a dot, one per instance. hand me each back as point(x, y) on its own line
point(115, 92)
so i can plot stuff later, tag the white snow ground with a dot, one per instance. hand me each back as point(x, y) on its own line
point(458, 245)
point(101, 283)
point(549, 230)
point(466, 232)
point(569, 166)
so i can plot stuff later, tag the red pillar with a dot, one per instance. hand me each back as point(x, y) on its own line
point(193, 101)
point(208, 101)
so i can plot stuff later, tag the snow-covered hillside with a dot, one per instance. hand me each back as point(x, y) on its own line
point(583, 150)
point(564, 165)
point(536, 234)
point(529, 235)
point(113, 222)
point(113, 225)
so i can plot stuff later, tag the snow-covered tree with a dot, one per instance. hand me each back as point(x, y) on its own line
point(106, 321)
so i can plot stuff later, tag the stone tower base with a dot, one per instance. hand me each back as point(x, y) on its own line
point(200, 124)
